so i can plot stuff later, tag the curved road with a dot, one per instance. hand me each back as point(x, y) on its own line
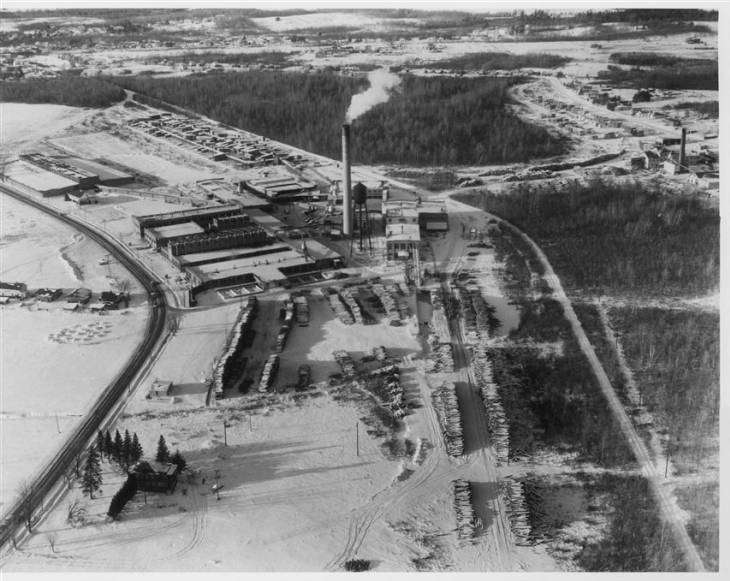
point(50, 475)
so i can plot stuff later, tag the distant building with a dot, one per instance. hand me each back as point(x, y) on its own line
point(79, 296)
point(15, 290)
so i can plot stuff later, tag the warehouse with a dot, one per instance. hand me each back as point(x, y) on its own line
point(34, 180)
point(197, 258)
point(402, 241)
point(107, 176)
point(245, 236)
point(281, 188)
point(163, 235)
point(204, 217)
point(84, 179)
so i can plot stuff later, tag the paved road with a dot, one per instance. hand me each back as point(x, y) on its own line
point(51, 473)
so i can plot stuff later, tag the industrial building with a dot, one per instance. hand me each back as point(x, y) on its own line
point(227, 193)
point(281, 188)
point(405, 222)
point(160, 236)
point(84, 179)
point(31, 179)
point(204, 217)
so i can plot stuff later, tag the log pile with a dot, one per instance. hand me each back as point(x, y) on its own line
point(287, 322)
point(226, 367)
point(269, 373)
point(346, 363)
point(350, 301)
point(388, 302)
point(339, 306)
point(497, 423)
point(517, 512)
point(447, 409)
point(466, 519)
point(384, 384)
point(442, 356)
point(479, 316)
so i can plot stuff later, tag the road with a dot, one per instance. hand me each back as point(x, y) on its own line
point(47, 478)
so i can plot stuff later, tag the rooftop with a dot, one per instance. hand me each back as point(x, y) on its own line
point(37, 178)
point(217, 256)
point(402, 232)
point(256, 265)
point(176, 230)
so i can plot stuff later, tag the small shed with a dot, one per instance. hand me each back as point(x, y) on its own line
point(160, 388)
point(155, 476)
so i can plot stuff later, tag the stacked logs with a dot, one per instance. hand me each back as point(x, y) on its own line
point(226, 366)
point(447, 409)
point(519, 519)
point(466, 519)
point(442, 356)
point(346, 363)
point(339, 306)
point(269, 373)
point(350, 301)
point(287, 322)
point(497, 423)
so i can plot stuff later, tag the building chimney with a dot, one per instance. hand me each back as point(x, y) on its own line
point(682, 156)
point(346, 185)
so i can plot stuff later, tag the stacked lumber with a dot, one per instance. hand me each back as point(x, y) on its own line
point(384, 384)
point(351, 303)
point(447, 409)
point(519, 518)
point(225, 368)
point(269, 373)
point(399, 292)
point(497, 423)
point(442, 356)
point(288, 320)
point(466, 519)
point(389, 304)
point(346, 363)
point(339, 306)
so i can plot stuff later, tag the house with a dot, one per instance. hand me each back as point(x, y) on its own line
point(15, 290)
point(155, 476)
point(48, 294)
point(82, 198)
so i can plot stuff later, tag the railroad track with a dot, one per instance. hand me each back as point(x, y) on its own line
point(46, 479)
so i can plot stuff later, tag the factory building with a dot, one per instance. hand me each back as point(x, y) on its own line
point(160, 236)
point(84, 179)
point(34, 180)
point(244, 236)
point(203, 217)
point(281, 188)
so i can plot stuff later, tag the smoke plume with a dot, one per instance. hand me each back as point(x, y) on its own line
point(382, 82)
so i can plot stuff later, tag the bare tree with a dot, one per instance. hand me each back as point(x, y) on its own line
point(51, 538)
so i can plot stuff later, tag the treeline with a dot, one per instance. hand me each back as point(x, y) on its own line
point(486, 61)
point(427, 121)
point(654, 59)
point(605, 237)
point(265, 57)
point(709, 108)
point(68, 90)
point(698, 76)
point(675, 355)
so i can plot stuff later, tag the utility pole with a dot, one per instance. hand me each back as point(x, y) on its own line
point(357, 438)
point(58, 428)
point(225, 433)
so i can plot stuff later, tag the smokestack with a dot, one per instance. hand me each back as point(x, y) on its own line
point(346, 189)
point(682, 156)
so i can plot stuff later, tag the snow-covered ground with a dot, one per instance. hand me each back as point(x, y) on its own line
point(54, 363)
point(332, 19)
point(22, 123)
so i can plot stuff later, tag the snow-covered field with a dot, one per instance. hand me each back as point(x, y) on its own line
point(53, 362)
point(332, 19)
point(23, 123)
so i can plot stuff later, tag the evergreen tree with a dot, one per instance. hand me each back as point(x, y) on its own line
point(126, 450)
point(163, 454)
point(136, 450)
point(178, 460)
point(100, 444)
point(117, 447)
point(91, 479)
point(108, 445)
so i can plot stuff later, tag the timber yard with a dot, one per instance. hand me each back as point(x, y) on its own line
point(232, 349)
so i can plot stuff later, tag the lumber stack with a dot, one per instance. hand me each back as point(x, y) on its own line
point(339, 306)
point(497, 423)
point(346, 363)
point(389, 304)
point(466, 519)
point(447, 409)
point(225, 368)
point(287, 322)
point(269, 373)
point(352, 304)
point(442, 356)
point(517, 512)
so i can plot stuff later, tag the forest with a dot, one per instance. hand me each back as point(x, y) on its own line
point(702, 75)
point(240, 58)
point(709, 108)
point(654, 59)
point(675, 356)
point(607, 237)
point(427, 121)
point(74, 91)
point(486, 61)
